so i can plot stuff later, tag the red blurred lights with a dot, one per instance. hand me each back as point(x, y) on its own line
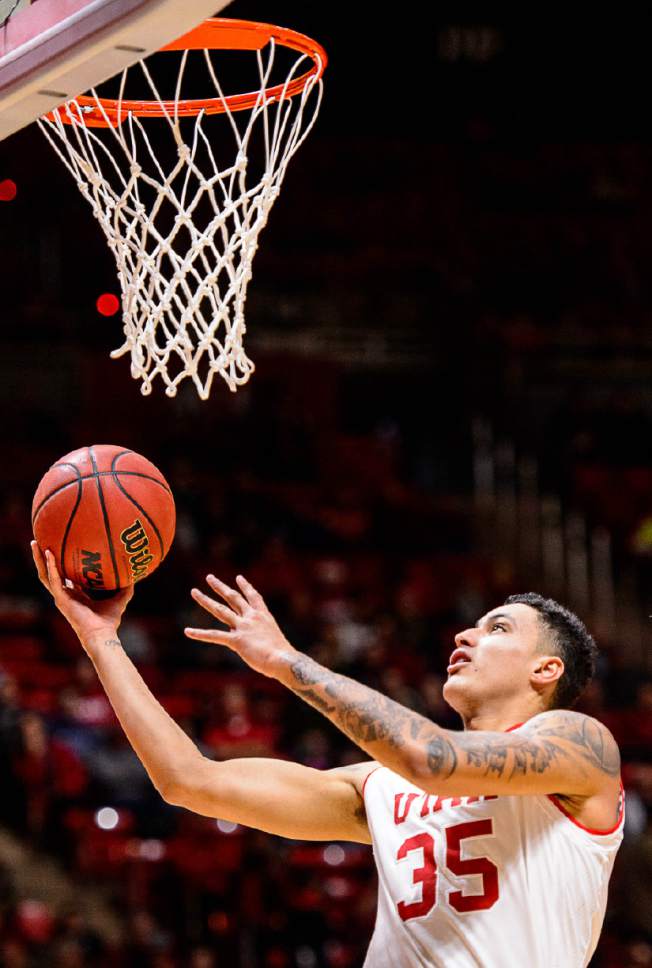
point(107, 304)
point(8, 190)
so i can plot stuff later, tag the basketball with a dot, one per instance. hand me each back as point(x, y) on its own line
point(107, 514)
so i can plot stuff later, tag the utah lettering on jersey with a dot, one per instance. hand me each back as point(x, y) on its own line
point(91, 562)
point(136, 544)
point(422, 804)
point(470, 880)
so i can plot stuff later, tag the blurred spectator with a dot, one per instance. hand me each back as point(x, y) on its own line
point(237, 732)
point(14, 954)
point(11, 805)
point(633, 894)
point(52, 773)
point(202, 958)
point(147, 940)
point(117, 772)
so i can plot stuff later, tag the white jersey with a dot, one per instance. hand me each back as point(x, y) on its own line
point(483, 882)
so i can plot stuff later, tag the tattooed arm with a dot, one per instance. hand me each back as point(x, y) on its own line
point(559, 752)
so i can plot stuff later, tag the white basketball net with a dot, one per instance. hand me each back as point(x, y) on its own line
point(184, 240)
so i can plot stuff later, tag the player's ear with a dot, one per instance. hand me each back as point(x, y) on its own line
point(547, 670)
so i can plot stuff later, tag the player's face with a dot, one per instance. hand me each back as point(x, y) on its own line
point(495, 659)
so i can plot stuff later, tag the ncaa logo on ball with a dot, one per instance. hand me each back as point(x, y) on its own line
point(136, 544)
point(91, 563)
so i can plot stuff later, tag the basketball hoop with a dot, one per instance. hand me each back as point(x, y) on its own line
point(184, 238)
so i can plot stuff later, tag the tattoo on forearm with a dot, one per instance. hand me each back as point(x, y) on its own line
point(315, 700)
point(368, 717)
point(441, 756)
point(492, 754)
point(364, 715)
point(113, 643)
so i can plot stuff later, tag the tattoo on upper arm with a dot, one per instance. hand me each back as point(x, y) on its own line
point(492, 753)
point(536, 751)
point(593, 742)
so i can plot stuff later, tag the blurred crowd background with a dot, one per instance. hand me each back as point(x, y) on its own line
point(451, 318)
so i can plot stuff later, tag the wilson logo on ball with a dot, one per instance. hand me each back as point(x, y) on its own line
point(136, 543)
point(91, 562)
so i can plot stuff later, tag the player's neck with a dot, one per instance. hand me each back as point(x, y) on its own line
point(498, 721)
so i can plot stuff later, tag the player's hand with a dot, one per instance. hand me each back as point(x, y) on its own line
point(251, 630)
point(89, 619)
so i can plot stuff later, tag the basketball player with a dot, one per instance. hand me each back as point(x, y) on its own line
point(494, 845)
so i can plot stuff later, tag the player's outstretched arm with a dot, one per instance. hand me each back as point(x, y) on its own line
point(559, 751)
point(272, 795)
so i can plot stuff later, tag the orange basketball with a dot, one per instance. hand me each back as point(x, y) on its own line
point(107, 514)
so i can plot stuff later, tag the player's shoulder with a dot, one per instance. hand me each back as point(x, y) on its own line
point(583, 734)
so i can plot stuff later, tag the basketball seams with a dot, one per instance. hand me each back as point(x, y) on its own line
point(47, 497)
point(116, 472)
point(80, 490)
point(105, 516)
point(89, 477)
point(142, 510)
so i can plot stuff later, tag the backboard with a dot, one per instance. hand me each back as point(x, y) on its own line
point(53, 50)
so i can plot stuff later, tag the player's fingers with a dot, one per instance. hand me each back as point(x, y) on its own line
point(212, 636)
point(61, 586)
point(216, 609)
point(254, 597)
point(230, 595)
point(54, 578)
point(39, 561)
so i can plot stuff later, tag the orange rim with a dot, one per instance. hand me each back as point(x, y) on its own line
point(215, 34)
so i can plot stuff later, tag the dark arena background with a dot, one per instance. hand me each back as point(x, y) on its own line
point(451, 319)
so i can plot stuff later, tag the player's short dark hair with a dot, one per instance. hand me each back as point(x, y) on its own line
point(572, 642)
